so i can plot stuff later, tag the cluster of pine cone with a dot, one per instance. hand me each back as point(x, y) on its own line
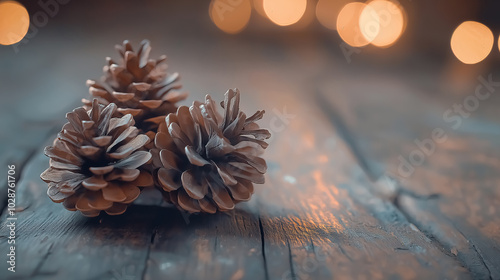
point(131, 135)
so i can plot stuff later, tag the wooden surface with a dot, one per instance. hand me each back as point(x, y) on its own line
point(333, 205)
point(315, 218)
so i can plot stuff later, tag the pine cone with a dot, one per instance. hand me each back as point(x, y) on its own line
point(208, 162)
point(96, 162)
point(139, 86)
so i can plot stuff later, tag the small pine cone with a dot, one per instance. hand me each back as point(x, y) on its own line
point(97, 162)
point(207, 162)
point(139, 86)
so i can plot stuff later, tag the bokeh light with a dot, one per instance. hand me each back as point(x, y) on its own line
point(230, 16)
point(471, 42)
point(14, 22)
point(307, 18)
point(285, 12)
point(327, 11)
point(391, 19)
point(349, 22)
point(258, 5)
point(498, 43)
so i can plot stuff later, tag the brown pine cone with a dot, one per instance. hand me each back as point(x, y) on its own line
point(139, 86)
point(207, 161)
point(97, 162)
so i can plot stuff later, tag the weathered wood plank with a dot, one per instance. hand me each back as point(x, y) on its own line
point(53, 243)
point(452, 194)
point(320, 220)
point(316, 216)
point(21, 144)
point(222, 246)
point(465, 174)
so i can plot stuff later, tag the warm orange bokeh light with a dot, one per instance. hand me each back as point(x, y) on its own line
point(14, 22)
point(258, 5)
point(307, 18)
point(498, 43)
point(327, 11)
point(390, 18)
point(285, 12)
point(349, 22)
point(230, 16)
point(471, 42)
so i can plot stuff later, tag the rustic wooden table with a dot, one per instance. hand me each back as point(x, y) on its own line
point(334, 205)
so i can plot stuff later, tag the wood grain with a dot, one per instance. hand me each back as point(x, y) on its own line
point(320, 215)
point(325, 222)
point(451, 196)
point(314, 218)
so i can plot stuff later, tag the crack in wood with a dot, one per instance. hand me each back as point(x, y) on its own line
point(480, 256)
point(442, 246)
point(344, 252)
point(290, 257)
point(36, 271)
point(374, 175)
point(339, 125)
point(154, 233)
point(482, 260)
point(262, 239)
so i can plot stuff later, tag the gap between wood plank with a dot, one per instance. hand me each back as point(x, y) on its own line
point(339, 125)
point(375, 175)
point(262, 238)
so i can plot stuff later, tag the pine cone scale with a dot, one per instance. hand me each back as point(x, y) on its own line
point(166, 179)
point(117, 209)
point(97, 202)
point(194, 189)
point(163, 141)
point(113, 193)
point(102, 141)
point(131, 192)
point(194, 157)
point(187, 203)
point(170, 160)
point(225, 175)
point(101, 170)
point(94, 183)
point(242, 191)
point(219, 194)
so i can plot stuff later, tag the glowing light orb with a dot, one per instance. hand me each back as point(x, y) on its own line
point(230, 16)
point(327, 11)
point(390, 17)
point(284, 12)
point(471, 42)
point(14, 22)
point(355, 30)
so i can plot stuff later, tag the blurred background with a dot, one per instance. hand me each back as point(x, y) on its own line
point(385, 67)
